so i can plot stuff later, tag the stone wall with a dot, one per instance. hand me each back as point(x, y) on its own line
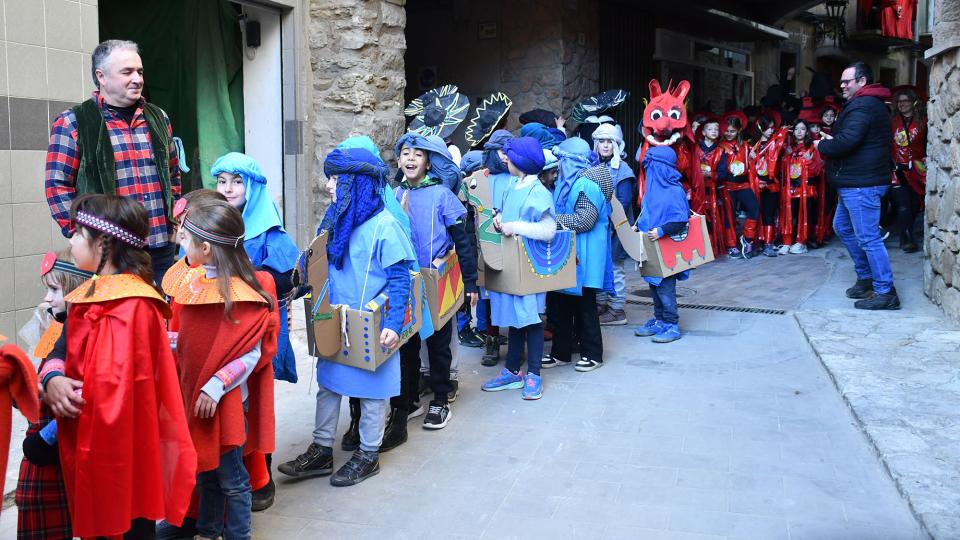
point(531, 71)
point(581, 52)
point(356, 50)
point(941, 277)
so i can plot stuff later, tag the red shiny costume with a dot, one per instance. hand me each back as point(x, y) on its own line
point(738, 165)
point(766, 163)
point(910, 151)
point(712, 207)
point(128, 454)
point(802, 180)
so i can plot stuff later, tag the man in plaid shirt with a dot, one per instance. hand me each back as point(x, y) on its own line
point(137, 133)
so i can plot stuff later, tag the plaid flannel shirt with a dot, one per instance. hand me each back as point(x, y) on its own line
point(136, 167)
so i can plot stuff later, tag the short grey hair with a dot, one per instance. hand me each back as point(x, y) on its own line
point(103, 51)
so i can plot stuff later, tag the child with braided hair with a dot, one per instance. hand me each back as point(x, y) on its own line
point(117, 389)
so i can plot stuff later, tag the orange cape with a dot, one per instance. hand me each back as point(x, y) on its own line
point(128, 455)
point(207, 342)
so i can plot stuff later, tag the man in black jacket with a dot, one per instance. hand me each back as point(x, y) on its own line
point(858, 165)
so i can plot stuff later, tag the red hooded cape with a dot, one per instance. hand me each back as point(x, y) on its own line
point(18, 381)
point(128, 455)
point(208, 341)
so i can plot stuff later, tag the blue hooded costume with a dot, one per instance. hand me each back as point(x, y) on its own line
point(389, 199)
point(664, 199)
point(593, 246)
point(268, 246)
point(369, 252)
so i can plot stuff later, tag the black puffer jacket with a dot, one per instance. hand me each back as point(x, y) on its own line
point(859, 153)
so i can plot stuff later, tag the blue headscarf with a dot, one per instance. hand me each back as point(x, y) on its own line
point(540, 133)
point(360, 179)
point(260, 213)
point(526, 154)
point(389, 199)
point(442, 166)
point(574, 156)
point(472, 162)
point(491, 160)
point(664, 200)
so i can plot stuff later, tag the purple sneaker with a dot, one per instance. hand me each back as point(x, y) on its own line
point(506, 380)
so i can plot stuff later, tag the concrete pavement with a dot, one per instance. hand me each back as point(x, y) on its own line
point(735, 431)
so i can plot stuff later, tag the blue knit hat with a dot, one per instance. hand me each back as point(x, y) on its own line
point(525, 153)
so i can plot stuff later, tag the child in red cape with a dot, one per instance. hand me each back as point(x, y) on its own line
point(42, 509)
point(119, 411)
point(228, 337)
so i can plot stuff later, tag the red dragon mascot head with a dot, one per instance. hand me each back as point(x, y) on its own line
point(665, 124)
point(665, 117)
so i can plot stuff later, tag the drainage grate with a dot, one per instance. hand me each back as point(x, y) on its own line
point(737, 309)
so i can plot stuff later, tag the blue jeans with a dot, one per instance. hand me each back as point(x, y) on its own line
point(857, 223)
point(225, 491)
point(665, 300)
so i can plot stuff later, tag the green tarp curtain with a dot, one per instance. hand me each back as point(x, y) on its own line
point(193, 68)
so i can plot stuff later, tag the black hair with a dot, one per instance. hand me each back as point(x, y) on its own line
point(861, 69)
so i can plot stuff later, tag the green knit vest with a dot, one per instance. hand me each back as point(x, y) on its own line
point(98, 172)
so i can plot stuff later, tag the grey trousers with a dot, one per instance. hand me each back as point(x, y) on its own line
point(373, 418)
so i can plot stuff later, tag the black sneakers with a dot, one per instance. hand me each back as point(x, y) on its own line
point(316, 461)
point(351, 439)
point(438, 416)
point(863, 288)
point(491, 355)
point(887, 300)
point(362, 465)
point(395, 433)
point(469, 338)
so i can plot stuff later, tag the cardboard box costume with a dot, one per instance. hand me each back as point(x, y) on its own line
point(518, 265)
point(352, 336)
point(666, 256)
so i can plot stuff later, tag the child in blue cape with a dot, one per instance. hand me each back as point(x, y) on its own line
point(526, 210)
point(437, 224)
point(266, 242)
point(395, 433)
point(499, 177)
point(369, 253)
point(581, 206)
point(270, 249)
point(609, 146)
point(471, 162)
point(664, 211)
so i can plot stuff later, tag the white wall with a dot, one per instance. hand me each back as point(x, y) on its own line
point(263, 100)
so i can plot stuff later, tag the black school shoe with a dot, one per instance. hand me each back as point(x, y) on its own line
point(469, 338)
point(395, 433)
point(887, 300)
point(168, 531)
point(863, 288)
point(438, 416)
point(362, 465)
point(316, 461)
point(351, 439)
point(263, 498)
point(491, 355)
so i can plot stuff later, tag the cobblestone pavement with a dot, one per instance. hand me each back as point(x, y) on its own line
point(735, 431)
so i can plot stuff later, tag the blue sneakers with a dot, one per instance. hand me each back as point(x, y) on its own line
point(668, 332)
point(506, 380)
point(532, 387)
point(649, 328)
